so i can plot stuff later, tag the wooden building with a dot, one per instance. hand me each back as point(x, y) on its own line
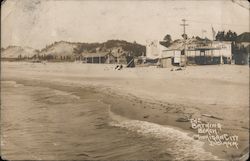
point(215, 53)
point(241, 50)
point(98, 58)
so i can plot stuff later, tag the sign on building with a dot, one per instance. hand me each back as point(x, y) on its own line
point(177, 56)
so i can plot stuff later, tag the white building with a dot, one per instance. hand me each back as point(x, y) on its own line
point(154, 49)
point(215, 52)
point(167, 57)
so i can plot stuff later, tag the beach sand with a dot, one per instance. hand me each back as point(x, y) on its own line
point(156, 95)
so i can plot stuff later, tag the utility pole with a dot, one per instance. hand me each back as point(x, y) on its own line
point(185, 37)
point(184, 25)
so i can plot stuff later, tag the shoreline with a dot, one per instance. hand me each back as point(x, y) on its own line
point(164, 112)
point(152, 112)
point(136, 109)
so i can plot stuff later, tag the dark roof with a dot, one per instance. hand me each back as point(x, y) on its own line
point(244, 37)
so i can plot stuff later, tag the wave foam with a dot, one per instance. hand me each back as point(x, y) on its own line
point(178, 143)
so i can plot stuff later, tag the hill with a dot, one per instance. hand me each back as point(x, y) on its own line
point(17, 51)
point(64, 48)
point(133, 48)
point(61, 48)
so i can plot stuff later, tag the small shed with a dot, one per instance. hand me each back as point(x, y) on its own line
point(175, 55)
point(166, 62)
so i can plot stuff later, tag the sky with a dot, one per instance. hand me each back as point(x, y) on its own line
point(37, 23)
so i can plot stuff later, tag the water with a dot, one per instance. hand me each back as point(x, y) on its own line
point(48, 124)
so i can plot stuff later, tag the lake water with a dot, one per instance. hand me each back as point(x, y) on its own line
point(40, 122)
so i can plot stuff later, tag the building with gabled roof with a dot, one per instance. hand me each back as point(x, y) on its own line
point(191, 51)
point(98, 58)
point(241, 50)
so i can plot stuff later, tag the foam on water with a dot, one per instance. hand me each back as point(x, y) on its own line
point(178, 143)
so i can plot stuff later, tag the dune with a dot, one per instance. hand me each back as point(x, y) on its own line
point(16, 51)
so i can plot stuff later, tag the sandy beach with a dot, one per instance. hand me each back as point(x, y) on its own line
point(215, 94)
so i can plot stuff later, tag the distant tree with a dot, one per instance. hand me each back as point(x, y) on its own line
point(167, 41)
point(220, 36)
point(184, 36)
point(168, 38)
point(229, 36)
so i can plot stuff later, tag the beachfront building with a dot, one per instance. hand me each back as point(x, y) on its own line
point(157, 54)
point(170, 57)
point(216, 52)
point(165, 57)
point(191, 52)
point(241, 50)
point(98, 58)
point(223, 49)
point(165, 62)
point(176, 55)
point(112, 56)
point(154, 49)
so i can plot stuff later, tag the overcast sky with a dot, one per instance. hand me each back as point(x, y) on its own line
point(36, 23)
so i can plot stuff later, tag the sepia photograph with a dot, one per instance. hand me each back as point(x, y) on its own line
point(125, 80)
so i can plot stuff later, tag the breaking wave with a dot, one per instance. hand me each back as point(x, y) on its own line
point(178, 143)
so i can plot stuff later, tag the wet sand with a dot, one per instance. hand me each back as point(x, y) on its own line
point(157, 95)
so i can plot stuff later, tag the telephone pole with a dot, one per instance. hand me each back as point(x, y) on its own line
point(184, 24)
